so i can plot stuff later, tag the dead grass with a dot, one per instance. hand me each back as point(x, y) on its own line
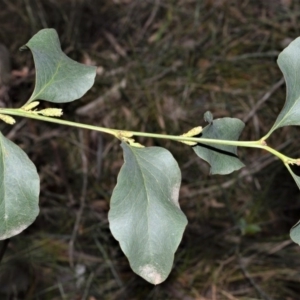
point(173, 60)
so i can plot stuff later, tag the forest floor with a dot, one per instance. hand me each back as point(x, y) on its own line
point(161, 66)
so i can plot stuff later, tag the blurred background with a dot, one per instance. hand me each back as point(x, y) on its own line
point(161, 65)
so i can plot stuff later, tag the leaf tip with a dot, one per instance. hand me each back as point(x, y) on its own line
point(23, 48)
point(151, 274)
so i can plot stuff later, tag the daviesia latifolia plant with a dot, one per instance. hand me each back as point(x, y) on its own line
point(145, 216)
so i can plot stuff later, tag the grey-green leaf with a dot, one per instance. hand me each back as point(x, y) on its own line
point(295, 233)
point(145, 216)
point(295, 230)
point(59, 79)
point(222, 159)
point(289, 63)
point(296, 177)
point(19, 192)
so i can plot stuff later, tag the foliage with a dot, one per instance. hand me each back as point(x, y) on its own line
point(58, 78)
point(145, 216)
point(222, 158)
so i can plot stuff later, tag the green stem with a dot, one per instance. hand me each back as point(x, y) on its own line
point(118, 133)
point(30, 115)
point(179, 138)
point(267, 135)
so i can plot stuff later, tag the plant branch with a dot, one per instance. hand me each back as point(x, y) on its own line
point(125, 133)
point(31, 115)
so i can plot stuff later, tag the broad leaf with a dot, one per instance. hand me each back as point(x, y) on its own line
point(145, 216)
point(222, 159)
point(289, 63)
point(58, 78)
point(19, 192)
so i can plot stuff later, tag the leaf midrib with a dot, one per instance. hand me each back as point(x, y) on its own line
point(144, 181)
point(34, 95)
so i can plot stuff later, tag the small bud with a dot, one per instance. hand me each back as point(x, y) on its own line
point(190, 143)
point(7, 119)
point(130, 142)
point(125, 139)
point(193, 132)
point(124, 133)
point(51, 112)
point(30, 106)
point(138, 145)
